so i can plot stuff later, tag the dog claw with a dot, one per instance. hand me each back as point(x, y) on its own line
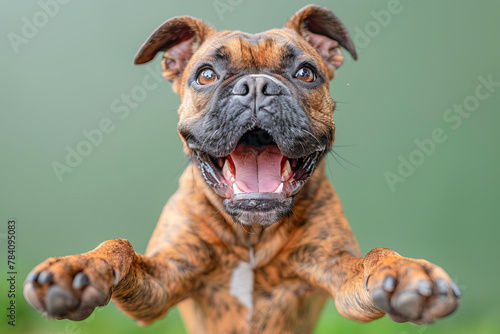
point(442, 286)
point(389, 283)
point(365, 282)
point(116, 277)
point(45, 277)
point(32, 277)
point(456, 290)
point(424, 288)
point(81, 280)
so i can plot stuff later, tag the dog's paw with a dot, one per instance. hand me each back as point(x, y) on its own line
point(70, 287)
point(412, 290)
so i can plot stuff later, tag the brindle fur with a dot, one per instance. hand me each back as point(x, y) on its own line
point(299, 261)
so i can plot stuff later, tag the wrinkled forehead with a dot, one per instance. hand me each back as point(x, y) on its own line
point(270, 49)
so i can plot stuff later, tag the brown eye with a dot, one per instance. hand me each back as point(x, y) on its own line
point(305, 74)
point(206, 76)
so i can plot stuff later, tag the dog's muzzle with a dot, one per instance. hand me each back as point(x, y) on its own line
point(266, 155)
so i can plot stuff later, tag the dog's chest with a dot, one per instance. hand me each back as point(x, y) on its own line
point(240, 293)
point(242, 289)
point(241, 285)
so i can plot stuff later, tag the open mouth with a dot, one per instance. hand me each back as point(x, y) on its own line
point(256, 166)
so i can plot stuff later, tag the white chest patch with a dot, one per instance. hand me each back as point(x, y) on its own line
point(241, 286)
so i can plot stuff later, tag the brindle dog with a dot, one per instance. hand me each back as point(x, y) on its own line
point(254, 240)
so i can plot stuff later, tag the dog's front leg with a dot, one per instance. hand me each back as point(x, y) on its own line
point(327, 256)
point(143, 287)
point(156, 283)
point(382, 282)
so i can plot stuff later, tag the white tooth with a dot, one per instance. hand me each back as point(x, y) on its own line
point(226, 171)
point(236, 190)
point(280, 188)
point(287, 170)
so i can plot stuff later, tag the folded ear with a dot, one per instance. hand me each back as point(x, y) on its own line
point(324, 31)
point(179, 37)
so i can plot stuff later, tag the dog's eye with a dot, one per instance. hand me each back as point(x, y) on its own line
point(305, 74)
point(206, 76)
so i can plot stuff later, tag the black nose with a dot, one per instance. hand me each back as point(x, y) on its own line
point(256, 85)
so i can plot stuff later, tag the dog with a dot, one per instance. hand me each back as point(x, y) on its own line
point(254, 240)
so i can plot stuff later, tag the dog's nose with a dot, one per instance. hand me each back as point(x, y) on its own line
point(256, 85)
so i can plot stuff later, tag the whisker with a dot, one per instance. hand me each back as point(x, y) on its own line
point(208, 138)
point(335, 145)
point(345, 159)
point(336, 154)
point(317, 140)
point(337, 160)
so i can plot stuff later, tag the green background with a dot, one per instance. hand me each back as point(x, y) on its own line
point(410, 72)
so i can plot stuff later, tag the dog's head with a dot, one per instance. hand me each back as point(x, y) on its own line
point(256, 115)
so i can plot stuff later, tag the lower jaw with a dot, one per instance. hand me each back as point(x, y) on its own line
point(286, 189)
point(262, 209)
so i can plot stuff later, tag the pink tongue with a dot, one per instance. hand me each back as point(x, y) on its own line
point(257, 171)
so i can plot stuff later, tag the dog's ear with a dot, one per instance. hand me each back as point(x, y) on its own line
point(324, 31)
point(179, 37)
